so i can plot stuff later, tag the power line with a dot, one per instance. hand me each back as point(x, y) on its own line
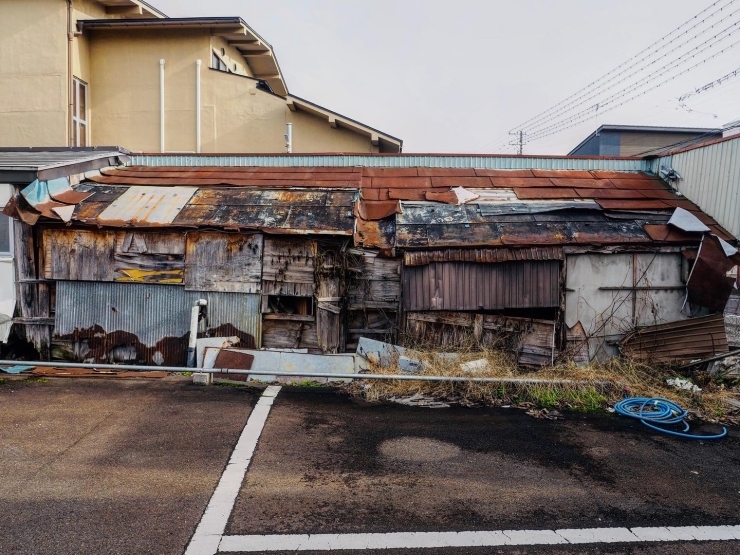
point(683, 59)
point(711, 85)
point(582, 116)
point(595, 93)
point(640, 56)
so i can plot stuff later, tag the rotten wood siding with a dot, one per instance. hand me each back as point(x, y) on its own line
point(290, 334)
point(374, 291)
point(149, 257)
point(474, 286)
point(288, 267)
point(329, 303)
point(96, 255)
point(79, 255)
point(530, 342)
point(33, 297)
point(223, 262)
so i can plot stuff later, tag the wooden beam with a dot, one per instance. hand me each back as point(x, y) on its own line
point(291, 105)
point(374, 139)
point(332, 122)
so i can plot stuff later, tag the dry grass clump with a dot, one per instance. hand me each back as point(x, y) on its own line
point(588, 387)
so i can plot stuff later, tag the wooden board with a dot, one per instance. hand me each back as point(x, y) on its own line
point(81, 255)
point(149, 257)
point(223, 262)
point(288, 267)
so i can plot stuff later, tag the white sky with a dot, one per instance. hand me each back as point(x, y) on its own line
point(457, 76)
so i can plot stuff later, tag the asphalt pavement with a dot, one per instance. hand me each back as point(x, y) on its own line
point(102, 466)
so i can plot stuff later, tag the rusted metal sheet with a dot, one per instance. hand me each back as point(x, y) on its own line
point(421, 258)
point(375, 234)
point(225, 262)
point(708, 285)
point(678, 341)
point(378, 209)
point(147, 206)
point(507, 231)
point(153, 320)
point(472, 286)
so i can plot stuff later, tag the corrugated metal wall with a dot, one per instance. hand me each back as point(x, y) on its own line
point(711, 179)
point(157, 315)
point(393, 161)
point(472, 286)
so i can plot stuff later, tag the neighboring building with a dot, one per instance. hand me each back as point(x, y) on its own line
point(557, 255)
point(91, 72)
point(639, 140)
point(27, 169)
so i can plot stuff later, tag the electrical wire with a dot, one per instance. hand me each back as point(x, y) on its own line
point(641, 56)
point(577, 119)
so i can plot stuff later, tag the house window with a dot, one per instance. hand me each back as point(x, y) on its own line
point(5, 225)
point(218, 63)
point(79, 113)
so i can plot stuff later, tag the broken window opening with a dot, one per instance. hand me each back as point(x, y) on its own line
point(298, 306)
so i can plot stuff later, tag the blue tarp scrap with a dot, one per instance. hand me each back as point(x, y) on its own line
point(15, 369)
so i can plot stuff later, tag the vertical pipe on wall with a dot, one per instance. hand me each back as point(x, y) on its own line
point(197, 106)
point(161, 105)
point(288, 138)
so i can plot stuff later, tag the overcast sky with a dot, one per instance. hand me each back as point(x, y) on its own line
point(456, 76)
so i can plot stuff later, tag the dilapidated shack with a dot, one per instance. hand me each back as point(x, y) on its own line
point(543, 262)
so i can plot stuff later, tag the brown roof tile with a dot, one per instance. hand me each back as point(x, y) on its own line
point(402, 182)
point(407, 194)
point(446, 172)
point(610, 193)
point(510, 182)
point(570, 174)
point(473, 182)
point(531, 193)
point(582, 183)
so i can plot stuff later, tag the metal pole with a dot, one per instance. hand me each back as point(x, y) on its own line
point(354, 376)
point(161, 105)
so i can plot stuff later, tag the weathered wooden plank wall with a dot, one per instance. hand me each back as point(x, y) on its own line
point(374, 294)
point(149, 257)
point(288, 267)
point(78, 255)
point(223, 262)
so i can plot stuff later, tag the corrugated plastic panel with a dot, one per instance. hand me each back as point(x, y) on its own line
point(156, 318)
point(394, 161)
point(711, 179)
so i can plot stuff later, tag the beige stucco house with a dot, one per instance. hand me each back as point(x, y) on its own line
point(105, 72)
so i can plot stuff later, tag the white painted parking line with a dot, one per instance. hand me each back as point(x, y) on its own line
point(418, 540)
point(211, 527)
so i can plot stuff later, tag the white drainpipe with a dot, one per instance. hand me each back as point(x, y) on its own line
point(194, 313)
point(197, 106)
point(288, 138)
point(161, 105)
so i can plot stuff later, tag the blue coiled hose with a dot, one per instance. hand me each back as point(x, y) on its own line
point(655, 412)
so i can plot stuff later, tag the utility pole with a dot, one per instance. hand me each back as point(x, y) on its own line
point(519, 142)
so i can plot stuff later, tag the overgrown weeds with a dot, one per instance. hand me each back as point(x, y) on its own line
point(587, 388)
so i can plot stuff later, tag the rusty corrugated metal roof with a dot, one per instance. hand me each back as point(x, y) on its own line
point(421, 258)
point(683, 340)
